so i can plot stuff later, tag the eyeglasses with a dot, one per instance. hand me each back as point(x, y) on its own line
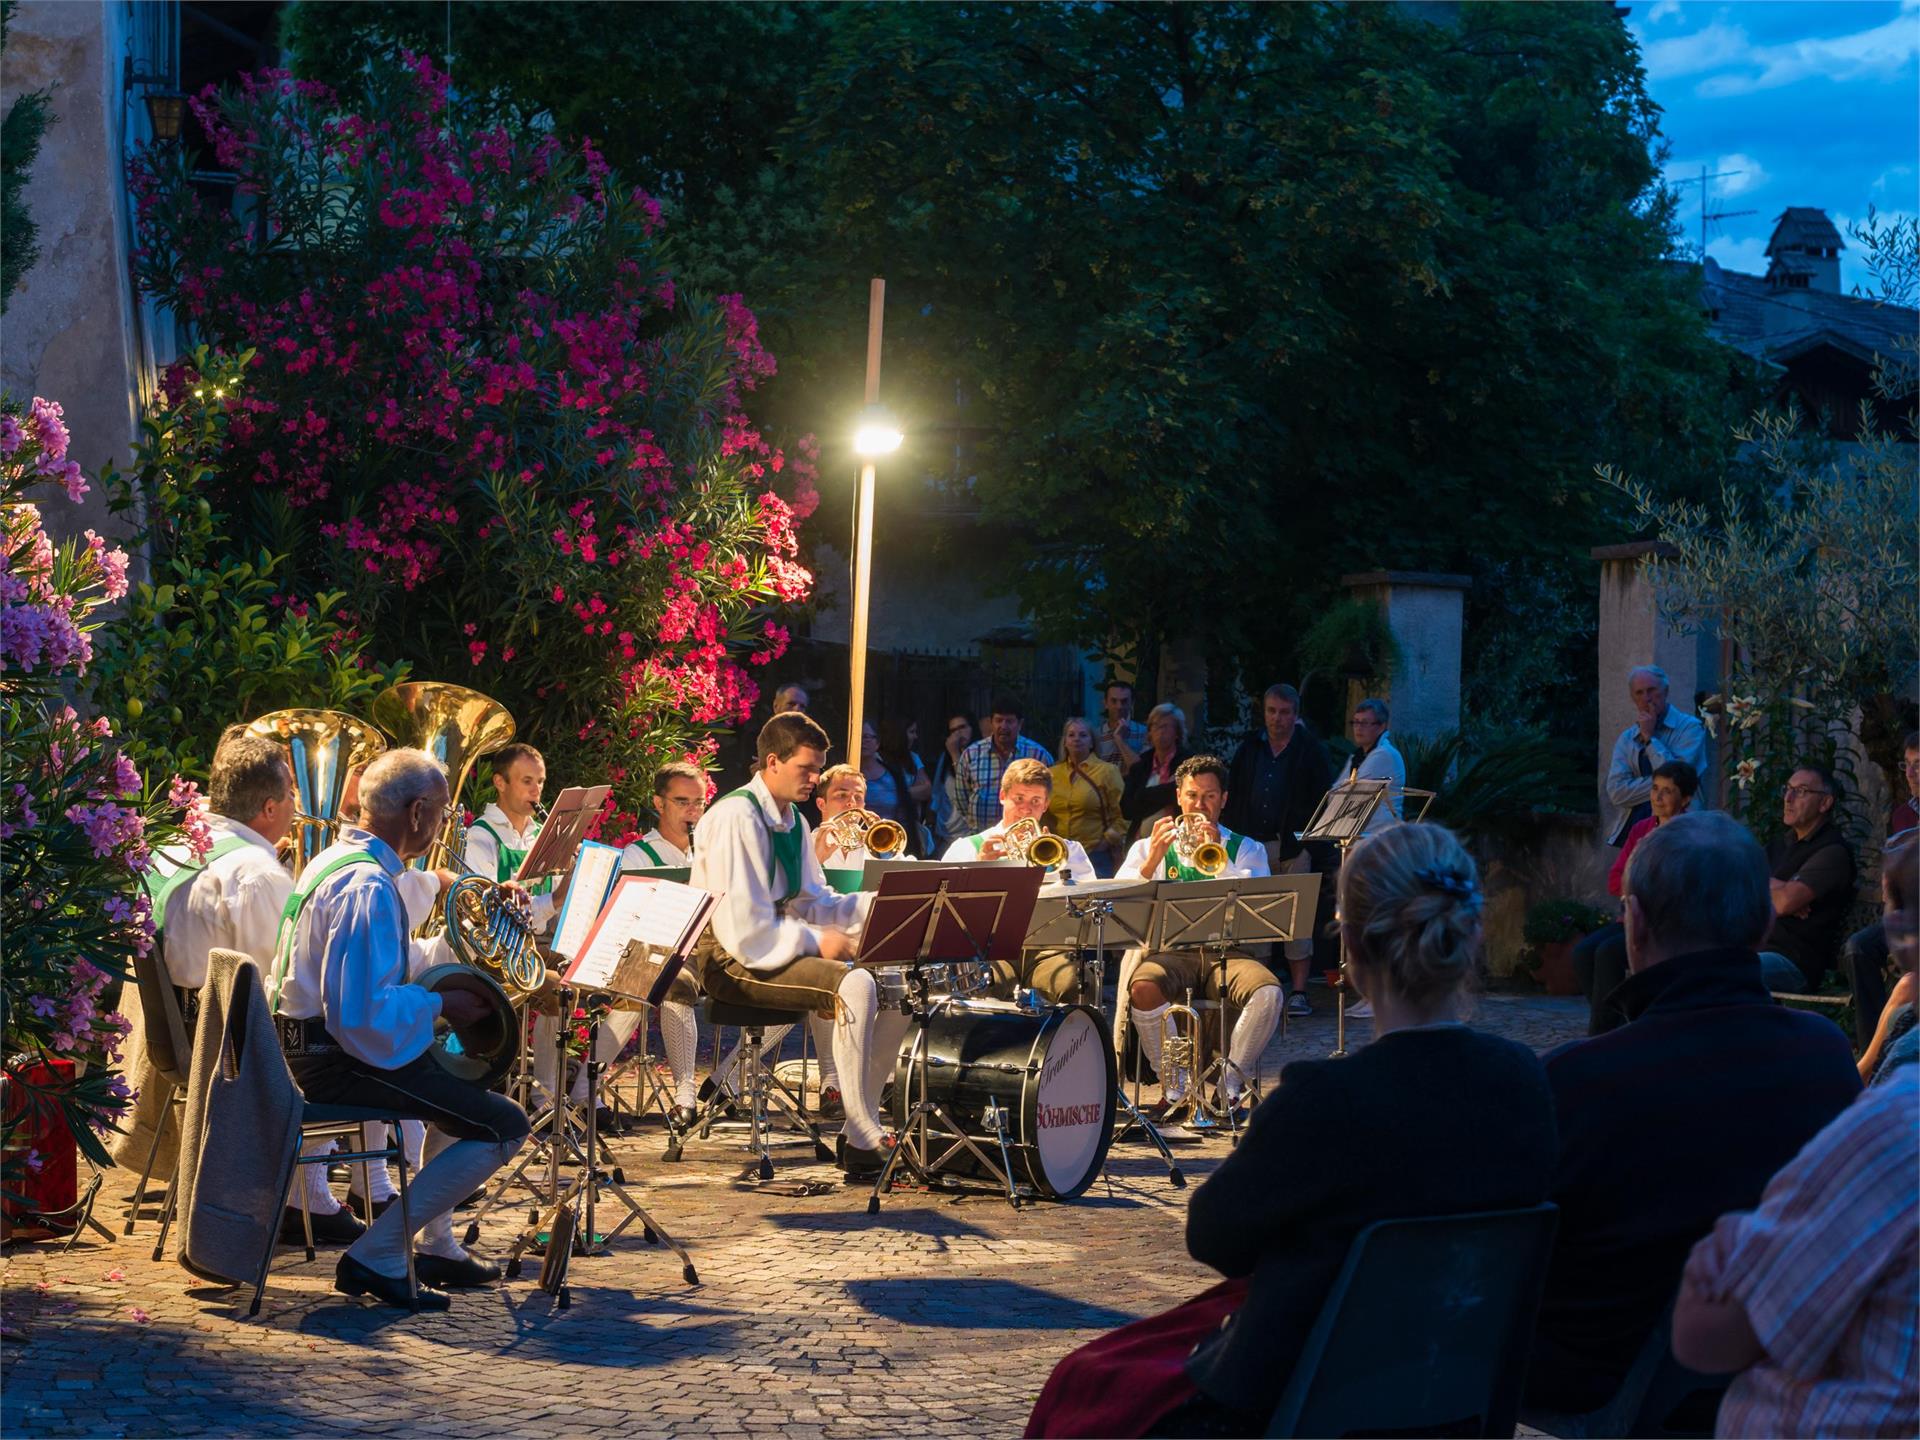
point(1794, 792)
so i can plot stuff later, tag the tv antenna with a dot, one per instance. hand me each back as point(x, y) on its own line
point(1709, 216)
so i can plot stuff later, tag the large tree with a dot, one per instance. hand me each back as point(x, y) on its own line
point(1220, 301)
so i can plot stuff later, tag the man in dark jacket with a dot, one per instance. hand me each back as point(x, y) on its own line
point(1280, 774)
point(1682, 1114)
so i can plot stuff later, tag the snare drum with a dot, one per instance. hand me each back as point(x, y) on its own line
point(1051, 1073)
point(956, 979)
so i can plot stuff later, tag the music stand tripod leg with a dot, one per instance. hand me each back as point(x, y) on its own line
point(1098, 912)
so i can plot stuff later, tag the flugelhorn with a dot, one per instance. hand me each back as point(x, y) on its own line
point(1194, 848)
point(323, 747)
point(1031, 844)
point(1179, 1052)
point(857, 829)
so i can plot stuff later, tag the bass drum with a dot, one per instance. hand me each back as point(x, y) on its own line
point(1050, 1071)
point(482, 1052)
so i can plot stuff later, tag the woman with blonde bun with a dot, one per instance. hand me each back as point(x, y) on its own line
point(1430, 1118)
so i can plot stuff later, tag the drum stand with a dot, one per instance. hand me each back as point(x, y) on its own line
point(568, 1211)
point(1094, 913)
point(928, 1124)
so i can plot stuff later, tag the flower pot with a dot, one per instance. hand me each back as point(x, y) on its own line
point(1556, 973)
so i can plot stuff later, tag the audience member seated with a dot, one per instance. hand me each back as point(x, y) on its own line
point(1680, 1116)
point(1600, 960)
point(1863, 959)
point(1813, 1298)
point(1813, 883)
point(1895, 1042)
point(1431, 1118)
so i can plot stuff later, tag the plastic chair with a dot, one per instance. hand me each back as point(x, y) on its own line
point(1659, 1397)
point(1426, 1329)
point(170, 1051)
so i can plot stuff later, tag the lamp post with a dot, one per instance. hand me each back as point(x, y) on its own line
point(877, 435)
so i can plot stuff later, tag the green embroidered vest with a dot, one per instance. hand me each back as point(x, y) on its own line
point(1176, 871)
point(786, 843)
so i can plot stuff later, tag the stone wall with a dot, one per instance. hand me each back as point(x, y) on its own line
point(1426, 613)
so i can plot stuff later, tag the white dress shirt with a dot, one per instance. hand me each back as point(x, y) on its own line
point(350, 955)
point(1678, 736)
point(968, 848)
point(234, 903)
point(1248, 861)
point(482, 856)
point(1383, 762)
point(735, 862)
point(671, 855)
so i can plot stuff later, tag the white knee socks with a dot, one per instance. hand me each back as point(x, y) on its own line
point(681, 1038)
point(313, 1179)
point(822, 1030)
point(1147, 1022)
point(454, 1170)
point(852, 1043)
point(1250, 1036)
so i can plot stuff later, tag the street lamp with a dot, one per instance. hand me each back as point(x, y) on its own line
point(877, 434)
point(166, 115)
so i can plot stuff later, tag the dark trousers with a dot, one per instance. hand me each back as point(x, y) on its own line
point(1864, 959)
point(418, 1090)
point(1600, 962)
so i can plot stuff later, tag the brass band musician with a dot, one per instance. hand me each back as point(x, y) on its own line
point(679, 800)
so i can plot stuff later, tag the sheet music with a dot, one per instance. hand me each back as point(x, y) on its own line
point(594, 870)
point(658, 913)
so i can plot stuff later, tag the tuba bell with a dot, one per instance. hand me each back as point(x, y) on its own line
point(857, 829)
point(1193, 847)
point(323, 747)
point(1029, 843)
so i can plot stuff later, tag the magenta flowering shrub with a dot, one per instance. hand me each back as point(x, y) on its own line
point(479, 411)
point(78, 826)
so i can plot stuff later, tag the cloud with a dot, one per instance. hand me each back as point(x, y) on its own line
point(1883, 183)
point(1742, 172)
point(1711, 48)
point(1883, 52)
point(1746, 254)
point(1667, 9)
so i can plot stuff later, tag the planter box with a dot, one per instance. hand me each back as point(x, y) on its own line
point(1556, 974)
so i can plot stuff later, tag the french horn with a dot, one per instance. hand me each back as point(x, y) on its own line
point(323, 747)
point(1194, 847)
point(857, 829)
point(1031, 844)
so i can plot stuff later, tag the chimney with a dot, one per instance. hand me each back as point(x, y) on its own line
point(1804, 252)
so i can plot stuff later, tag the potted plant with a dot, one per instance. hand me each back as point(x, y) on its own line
point(1553, 928)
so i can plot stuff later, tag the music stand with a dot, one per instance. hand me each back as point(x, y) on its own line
point(1216, 916)
point(1342, 818)
point(934, 914)
point(574, 810)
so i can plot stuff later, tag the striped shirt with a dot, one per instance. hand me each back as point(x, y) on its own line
point(977, 780)
point(1826, 1271)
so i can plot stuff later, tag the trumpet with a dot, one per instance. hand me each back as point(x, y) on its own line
point(1194, 849)
point(862, 829)
point(1029, 843)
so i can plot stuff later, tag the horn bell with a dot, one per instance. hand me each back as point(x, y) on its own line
point(323, 748)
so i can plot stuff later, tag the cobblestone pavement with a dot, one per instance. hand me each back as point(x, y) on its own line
point(940, 1317)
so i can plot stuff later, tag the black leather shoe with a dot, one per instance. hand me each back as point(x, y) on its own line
point(605, 1122)
point(339, 1228)
point(682, 1118)
point(831, 1107)
point(467, 1274)
point(858, 1162)
point(358, 1205)
point(350, 1277)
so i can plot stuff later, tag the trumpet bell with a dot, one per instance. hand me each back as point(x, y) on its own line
point(323, 747)
point(1047, 851)
point(886, 838)
point(1210, 857)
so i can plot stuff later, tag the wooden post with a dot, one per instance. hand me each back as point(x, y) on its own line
point(863, 545)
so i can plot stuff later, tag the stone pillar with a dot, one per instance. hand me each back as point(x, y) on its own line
point(1632, 633)
point(1183, 680)
point(72, 331)
point(1426, 613)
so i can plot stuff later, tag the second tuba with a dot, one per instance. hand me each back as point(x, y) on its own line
point(323, 747)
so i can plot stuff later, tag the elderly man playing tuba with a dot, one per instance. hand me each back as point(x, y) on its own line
point(358, 1034)
point(1175, 849)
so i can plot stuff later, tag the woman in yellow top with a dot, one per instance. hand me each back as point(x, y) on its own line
point(1086, 799)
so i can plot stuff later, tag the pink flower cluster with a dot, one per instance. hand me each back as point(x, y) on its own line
point(44, 599)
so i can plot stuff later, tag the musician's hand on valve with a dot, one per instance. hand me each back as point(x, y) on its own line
point(837, 945)
point(994, 848)
point(1160, 841)
point(445, 879)
point(518, 895)
point(463, 1007)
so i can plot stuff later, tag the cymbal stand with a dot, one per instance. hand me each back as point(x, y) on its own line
point(1092, 914)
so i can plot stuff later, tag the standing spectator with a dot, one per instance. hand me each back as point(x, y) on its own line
point(1086, 799)
point(1600, 959)
point(977, 795)
point(897, 783)
point(949, 823)
point(1813, 882)
point(740, 758)
point(1149, 792)
point(1280, 774)
point(1121, 739)
point(1814, 1297)
point(1376, 758)
point(1894, 1042)
point(1678, 1117)
point(1659, 733)
point(1863, 960)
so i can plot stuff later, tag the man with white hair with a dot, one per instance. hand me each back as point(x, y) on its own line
point(1659, 733)
point(358, 1034)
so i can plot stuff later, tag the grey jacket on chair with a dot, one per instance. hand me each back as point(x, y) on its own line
point(241, 1129)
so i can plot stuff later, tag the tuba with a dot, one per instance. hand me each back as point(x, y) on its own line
point(1194, 849)
point(1180, 1051)
point(323, 747)
point(857, 829)
point(485, 928)
point(1030, 844)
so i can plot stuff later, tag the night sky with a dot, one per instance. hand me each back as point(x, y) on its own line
point(1814, 103)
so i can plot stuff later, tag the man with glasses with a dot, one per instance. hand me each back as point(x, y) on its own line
point(1659, 733)
point(1813, 883)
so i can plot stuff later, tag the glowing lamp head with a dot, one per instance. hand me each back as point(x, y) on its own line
point(878, 433)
